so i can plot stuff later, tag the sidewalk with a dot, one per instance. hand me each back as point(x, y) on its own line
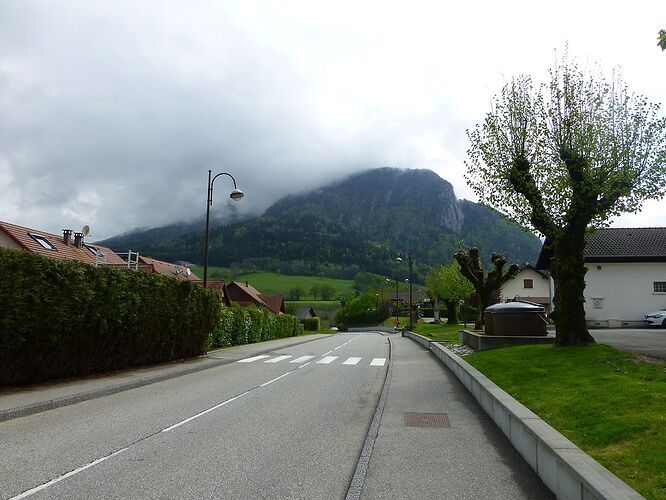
point(469, 459)
point(22, 401)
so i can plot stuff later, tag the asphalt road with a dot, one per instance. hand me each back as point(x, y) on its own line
point(646, 341)
point(290, 424)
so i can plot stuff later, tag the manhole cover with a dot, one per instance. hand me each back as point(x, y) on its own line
point(426, 420)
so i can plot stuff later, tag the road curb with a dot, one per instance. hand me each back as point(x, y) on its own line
point(563, 467)
point(51, 404)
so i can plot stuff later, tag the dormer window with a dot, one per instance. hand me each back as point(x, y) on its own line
point(43, 241)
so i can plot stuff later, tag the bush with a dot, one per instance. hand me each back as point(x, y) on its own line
point(67, 318)
point(362, 310)
point(310, 324)
point(246, 325)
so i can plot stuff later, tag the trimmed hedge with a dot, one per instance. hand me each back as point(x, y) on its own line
point(67, 318)
point(310, 324)
point(246, 325)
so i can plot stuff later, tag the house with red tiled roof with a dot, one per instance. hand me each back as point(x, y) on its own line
point(67, 246)
point(626, 275)
point(245, 294)
point(167, 269)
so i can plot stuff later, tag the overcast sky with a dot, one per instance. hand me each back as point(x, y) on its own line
point(111, 113)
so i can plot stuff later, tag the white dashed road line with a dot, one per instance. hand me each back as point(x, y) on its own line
point(277, 359)
point(254, 358)
point(327, 360)
point(302, 359)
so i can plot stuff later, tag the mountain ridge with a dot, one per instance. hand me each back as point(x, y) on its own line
point(358, 223)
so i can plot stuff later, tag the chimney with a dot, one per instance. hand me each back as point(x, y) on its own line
point(66, 236)
point(78, 240)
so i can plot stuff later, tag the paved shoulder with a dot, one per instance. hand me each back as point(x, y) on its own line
point(436, 442)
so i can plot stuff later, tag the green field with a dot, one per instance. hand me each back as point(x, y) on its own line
point(267, 282)
point(610, 403)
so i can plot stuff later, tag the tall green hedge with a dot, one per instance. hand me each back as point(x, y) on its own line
point(310, 324)
point(246, 325)
point(66, 318)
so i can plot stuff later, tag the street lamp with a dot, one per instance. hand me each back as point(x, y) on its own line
point(409, 261)
point(236, 194)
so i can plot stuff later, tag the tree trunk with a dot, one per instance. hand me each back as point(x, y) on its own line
point(568, 270)
point(451, 312)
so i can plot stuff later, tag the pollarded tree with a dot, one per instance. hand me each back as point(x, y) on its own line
point(563, 159)
point(446, 283)
point(485, 284)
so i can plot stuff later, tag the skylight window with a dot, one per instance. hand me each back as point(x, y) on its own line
point(43, 241)
point(93, 249)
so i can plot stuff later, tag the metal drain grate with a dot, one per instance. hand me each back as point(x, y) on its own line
point(426, 420)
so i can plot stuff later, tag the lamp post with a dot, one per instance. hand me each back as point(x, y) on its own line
point(409, 262)
point(236, 194)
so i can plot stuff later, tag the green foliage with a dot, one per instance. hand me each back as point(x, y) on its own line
point(564, 158)
point(314, 290)
point(607, 402)
point(310, 324)
point(361, 310)
point(447, 283)
point(662, 39)
point(327, 292)
point(66, 318)
point(247, 325)
point(296, 292)
point(364, 281)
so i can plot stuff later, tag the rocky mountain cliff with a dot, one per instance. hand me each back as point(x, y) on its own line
point(360, 223)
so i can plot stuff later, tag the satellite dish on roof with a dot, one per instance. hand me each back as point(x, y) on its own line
point(86, 230)
point(189, 273)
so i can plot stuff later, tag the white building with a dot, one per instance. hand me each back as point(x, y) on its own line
point(530, 284)
point(626, 275)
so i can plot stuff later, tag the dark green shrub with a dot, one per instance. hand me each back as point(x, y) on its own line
point(246, 325)
point(66, 318)
point(310, 324)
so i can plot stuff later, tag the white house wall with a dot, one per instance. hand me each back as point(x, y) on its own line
point(624, 292)
point(514, 287)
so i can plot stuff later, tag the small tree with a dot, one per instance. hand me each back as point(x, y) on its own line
point(327, 292)
point(484, 283)
point(562, 159)
point(662, 39)
point(450, 286)
point(296, 292)
point(315, 290)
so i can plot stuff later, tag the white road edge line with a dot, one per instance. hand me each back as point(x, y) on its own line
point(68, 474)
point(71, 473)
point(204, 412)
point(277, 378)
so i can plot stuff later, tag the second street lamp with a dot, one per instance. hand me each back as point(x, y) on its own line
point(236, 194)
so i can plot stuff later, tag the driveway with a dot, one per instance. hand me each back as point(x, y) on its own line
point(649, 342)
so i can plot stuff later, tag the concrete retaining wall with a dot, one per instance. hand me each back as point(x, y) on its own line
point(480, 342)
point(563, 467)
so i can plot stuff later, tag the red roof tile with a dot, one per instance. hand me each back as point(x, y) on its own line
point(167, 269)
point(27, 239)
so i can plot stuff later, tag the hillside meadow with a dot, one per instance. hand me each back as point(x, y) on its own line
point(267, 282)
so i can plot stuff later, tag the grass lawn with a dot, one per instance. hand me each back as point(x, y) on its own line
point(609, 403)
point(267, 282)
point(442, 331)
